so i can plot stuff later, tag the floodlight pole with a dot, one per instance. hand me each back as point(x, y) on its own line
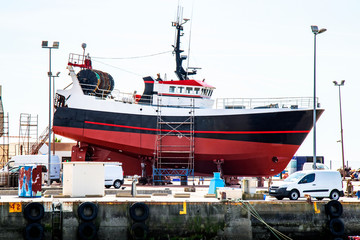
point(316, 31)
point(53, 107)
point(341, 125)
point(55, 46)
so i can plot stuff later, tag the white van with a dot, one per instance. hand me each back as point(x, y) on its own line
point(114, 175)
point(319, 166)
point(55, 164)
point(316, 183)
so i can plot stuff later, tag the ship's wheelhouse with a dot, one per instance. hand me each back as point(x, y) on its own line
point(180, 93)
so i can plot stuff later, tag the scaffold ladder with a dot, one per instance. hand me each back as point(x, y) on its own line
point(175, 145)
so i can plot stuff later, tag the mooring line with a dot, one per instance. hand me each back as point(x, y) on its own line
point(248, 207)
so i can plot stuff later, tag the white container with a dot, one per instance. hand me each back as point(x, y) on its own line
point(82, 179)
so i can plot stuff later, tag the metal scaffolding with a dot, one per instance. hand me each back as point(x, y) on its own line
point(28, 133)
point(4, 139)
point(174, 153)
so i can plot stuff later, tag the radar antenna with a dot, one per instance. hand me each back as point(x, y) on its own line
point(180, 71)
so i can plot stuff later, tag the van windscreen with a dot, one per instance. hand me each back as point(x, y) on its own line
point(295, 177)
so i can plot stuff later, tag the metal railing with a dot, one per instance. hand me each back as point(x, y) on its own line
point(77, 59)
point(257, 103)
point(219, 103)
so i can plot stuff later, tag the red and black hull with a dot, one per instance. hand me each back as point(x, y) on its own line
point(251, 144)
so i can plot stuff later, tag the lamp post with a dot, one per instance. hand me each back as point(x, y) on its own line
point(55, 46)
point(53, 106)
point(341, 126)
point(316, 31)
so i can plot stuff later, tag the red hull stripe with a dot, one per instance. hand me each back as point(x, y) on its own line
point(218, 132)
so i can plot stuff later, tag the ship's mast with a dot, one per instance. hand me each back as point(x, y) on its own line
point(180, 71)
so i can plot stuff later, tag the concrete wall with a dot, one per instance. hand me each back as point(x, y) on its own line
point(227, 220)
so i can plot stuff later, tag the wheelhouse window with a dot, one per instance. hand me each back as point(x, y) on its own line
point(189, 90)
point(172, 89)
point(202, 91)
point(206, 91)
point(197, 90)
point(181, 89)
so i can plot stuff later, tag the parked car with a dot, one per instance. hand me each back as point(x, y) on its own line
point(114, 175)
point(316, 183)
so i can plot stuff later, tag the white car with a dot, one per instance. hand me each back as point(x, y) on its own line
point(114, 175)
point(316, 183)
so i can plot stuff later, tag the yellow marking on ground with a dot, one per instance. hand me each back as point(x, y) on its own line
point(184, 209)
point(316, 209)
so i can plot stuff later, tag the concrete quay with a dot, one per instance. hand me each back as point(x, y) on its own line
point(159, 212)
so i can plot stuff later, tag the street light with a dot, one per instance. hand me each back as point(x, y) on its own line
point(55, 45)
point(57, 75)
point(316, 31)
point(341, 127)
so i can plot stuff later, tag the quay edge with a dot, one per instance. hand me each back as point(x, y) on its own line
point(182, 219)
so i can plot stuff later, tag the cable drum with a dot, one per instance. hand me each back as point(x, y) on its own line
point(106, 83)
point(95, 82)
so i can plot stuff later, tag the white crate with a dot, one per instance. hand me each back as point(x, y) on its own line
point(83, 178)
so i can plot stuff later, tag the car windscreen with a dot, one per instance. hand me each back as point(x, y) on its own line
point(295, 177)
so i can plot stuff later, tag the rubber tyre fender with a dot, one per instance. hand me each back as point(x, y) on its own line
point(83, 209)
point(139, 230)
point(34, 211)
point(336, 227)
point(34, 231)
point(87, 230)
point(334, 209)
point(139, 207)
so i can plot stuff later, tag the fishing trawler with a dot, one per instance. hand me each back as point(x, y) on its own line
point(175, 124)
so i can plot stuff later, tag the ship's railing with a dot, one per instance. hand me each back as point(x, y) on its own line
point(257, 103)
point(124, 97)
point(115, 94)
point(220, 103)
point(94, 90)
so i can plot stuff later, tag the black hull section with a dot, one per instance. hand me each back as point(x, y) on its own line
point(282, 127)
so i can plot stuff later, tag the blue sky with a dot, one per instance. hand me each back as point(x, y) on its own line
point(255, 48)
